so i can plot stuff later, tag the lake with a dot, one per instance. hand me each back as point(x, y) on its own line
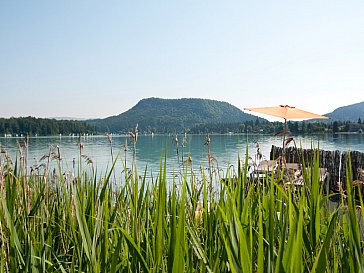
point(151, 149)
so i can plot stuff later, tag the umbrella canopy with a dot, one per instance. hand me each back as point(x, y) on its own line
point(286, 112)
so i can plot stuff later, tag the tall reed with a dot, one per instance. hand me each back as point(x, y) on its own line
point(159, 225)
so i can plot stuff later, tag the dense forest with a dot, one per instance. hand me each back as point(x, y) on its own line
point(45, 127)
point(42, 127)
point(295, 127)
point(172, 115)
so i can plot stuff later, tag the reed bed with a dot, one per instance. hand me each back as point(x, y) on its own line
point(54, 222)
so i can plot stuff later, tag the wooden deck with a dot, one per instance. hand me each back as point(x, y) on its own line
point(292, 171)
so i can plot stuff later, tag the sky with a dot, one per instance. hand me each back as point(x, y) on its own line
point(93, 59)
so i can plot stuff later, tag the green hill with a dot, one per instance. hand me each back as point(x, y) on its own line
point(170, 115)
point(348, 113)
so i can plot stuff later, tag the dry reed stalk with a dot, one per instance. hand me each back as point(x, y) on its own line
point(184, 141)
point(109, 138)
point(4, 248)
point(134, 136)
point(20, 150)
point(175, 142)
point(2, 185)
point(2, 192)
point(126, 148)
point(24, 173)
point(80, 145)
point(209, 158)
point(27, 188)
point(26, 142)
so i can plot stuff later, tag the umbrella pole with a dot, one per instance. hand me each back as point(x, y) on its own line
point(284, 140)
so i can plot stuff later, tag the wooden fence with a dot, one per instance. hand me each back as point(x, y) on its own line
point(334, 161)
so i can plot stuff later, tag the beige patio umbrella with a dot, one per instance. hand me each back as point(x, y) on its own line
point(287, 113)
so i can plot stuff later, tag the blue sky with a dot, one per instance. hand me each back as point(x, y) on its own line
point(99, 58)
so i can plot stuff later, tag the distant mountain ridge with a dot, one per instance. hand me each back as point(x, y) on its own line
point(170, 115)
point(348, 113)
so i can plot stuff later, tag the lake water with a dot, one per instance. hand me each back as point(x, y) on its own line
point(151, 149)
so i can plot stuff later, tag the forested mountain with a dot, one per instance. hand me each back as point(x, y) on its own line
point(170, 115)
point(42, 126)
point(348, 113)
point(184, 115)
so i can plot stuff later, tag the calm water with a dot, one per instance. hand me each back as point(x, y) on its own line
point(151, 149)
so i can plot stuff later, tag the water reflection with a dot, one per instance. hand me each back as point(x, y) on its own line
point(152, 149)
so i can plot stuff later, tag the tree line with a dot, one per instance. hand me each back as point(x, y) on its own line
point(42, 126)
point(266, 127)
point(45, 127)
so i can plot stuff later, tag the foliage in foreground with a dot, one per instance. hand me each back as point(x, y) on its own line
point(85, 224)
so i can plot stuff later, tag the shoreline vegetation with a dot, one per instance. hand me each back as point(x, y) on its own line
point(57, 221)
point(32, 126)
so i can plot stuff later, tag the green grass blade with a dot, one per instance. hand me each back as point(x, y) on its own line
point(131, 243)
